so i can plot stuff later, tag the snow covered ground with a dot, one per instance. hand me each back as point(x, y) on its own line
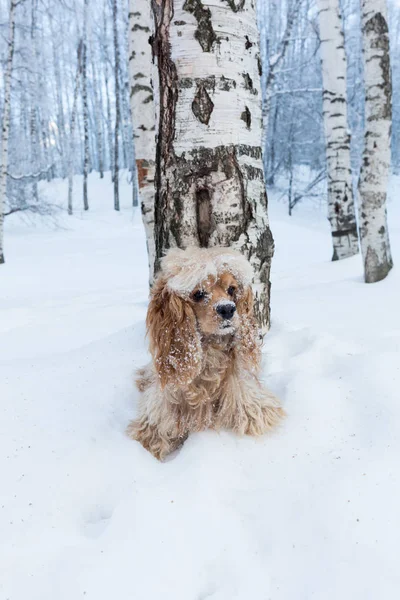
point(309, 512)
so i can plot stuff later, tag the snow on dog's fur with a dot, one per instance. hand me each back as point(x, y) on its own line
point(206, 353)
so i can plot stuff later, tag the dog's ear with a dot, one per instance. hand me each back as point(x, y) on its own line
point(250, 345)
point(174, 340)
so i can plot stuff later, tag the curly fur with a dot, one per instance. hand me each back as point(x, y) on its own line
point(196, 380)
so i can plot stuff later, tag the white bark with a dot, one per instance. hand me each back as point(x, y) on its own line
point(71, 149)
point(143, 115)
point(85, 107)
point(209, 176)
point(117, 106)
point(6, 123)
point(374, 235)
point(98, 117)
point(341, 209)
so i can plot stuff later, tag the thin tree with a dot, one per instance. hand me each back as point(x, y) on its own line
point(86, 155)
point(375, 167)
point(209, 174)
point(143, 115)
point(117, 106)
point(6, 121)
point(72, 126)
point(341, 209)
point(98, 117)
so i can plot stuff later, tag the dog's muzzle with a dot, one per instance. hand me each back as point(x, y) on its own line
point(226, 310)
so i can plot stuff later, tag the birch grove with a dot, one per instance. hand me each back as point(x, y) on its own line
point(84, 91)
point(209, 174)
point(341, 208)
point(143, 113)
point(375, 166)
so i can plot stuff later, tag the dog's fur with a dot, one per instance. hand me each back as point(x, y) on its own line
point(204, 372)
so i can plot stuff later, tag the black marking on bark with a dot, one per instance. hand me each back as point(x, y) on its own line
point(141, 88)
point(210, 83)
point(259, 65)
point(179, 23)
point(246, 117)
point(235, 6)
point(351, 231)
point(248, 84)
point(202, 105)
point(204, 33)
point(204, 217)
point(138, 27)
point(248, 43)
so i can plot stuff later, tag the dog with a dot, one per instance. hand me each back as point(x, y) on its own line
point(206, 353)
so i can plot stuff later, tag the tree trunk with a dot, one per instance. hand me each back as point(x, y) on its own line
point(117, 106)
point(341, 209)
point(72, 128)
point(375, 167)
point(209, 174)
point(35, 144)
point(5, 129)
point(85, 109)
point(98, 117)
point(59, 95)
point(143, 115)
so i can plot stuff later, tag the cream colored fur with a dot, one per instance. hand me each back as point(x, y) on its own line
point(198, 381)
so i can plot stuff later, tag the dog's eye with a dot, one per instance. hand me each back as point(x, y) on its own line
point(198, 296)
point(231, 290)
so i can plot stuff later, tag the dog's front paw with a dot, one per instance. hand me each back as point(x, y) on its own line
point(151, 438)
point(261, 418)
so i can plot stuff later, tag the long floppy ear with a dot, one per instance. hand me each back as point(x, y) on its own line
point(250, 345)
point(174, 340)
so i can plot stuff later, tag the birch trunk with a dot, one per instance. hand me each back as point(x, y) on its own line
point(143, 115)
point(85, 109)
point(117, 106)
point(98, 117)
point(72, 129)
point(209, 174)
point(375, 167)
point(5, 129)
point(341, 209)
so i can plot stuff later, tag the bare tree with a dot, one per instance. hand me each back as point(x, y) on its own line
point(86, 157)
point(375, 167)
point(209, 174)
point(341, 209)
point(6, 121)
point(143, 114)
point(72, 127)
point(117, 106)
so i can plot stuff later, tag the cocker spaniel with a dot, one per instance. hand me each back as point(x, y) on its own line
point(206, 353)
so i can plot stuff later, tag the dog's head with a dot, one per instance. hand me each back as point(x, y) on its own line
point(199, 293)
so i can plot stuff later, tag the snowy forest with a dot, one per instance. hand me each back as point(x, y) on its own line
point(130, 128)
point(68, 98)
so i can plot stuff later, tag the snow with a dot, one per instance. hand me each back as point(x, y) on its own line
point(308, 512)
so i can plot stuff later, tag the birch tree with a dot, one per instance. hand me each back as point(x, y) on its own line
point(117, 106)
point(72, 128)
point(143, 114)
point(341, 209)
point(375, 167)
point(209, 173)
point(6, 121)
point(85, 109)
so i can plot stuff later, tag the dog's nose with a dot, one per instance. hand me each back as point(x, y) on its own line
point(226, 310)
